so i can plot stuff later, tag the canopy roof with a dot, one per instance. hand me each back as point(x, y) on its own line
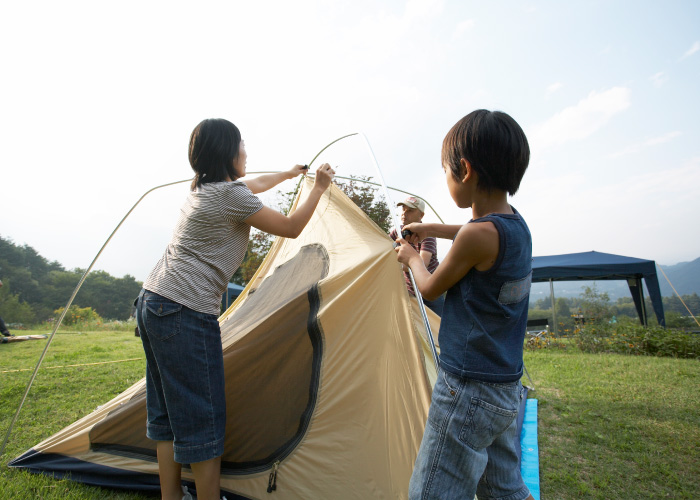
point(595, 266)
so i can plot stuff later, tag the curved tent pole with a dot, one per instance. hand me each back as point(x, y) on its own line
point(68, 304)
point(397, 226)
point(89, 268)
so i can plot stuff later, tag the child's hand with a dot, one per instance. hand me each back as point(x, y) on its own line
point(324, 176)
point(417, 230)
point(405, 252)
point(298, 169)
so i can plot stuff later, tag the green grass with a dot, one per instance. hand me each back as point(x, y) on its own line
point(60, 395)
point(615, 426)
point(610, 426)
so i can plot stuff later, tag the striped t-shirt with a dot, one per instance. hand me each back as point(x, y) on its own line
point(207, 246)
point(428, 244)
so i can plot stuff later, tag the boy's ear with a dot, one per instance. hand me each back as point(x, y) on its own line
point(466, 172)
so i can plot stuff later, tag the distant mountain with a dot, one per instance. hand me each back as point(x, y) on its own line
point(684, 276)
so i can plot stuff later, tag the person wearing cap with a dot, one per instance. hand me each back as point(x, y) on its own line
point(413, 210)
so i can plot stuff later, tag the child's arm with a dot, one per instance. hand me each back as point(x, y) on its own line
point(475, 246)
point(424, 229)
point(291, 226)
point(262, 183)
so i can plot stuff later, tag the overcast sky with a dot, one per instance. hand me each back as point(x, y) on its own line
point(98, 100)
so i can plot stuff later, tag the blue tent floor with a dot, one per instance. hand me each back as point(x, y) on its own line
point(530, 461)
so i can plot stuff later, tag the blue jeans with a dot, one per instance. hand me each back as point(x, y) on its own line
point(185, 397)
point(468, 446)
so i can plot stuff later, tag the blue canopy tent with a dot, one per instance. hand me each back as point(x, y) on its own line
point(595, 266)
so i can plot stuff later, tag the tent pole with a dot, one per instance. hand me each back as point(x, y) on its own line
point(645, 321)
point(397, 226)
point(554, 311)
point(65, 310)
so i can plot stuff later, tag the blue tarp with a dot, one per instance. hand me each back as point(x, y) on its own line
point(530, 458)
point(595, 266)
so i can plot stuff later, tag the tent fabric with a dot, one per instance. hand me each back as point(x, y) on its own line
point(595, 266)
point(328, 377)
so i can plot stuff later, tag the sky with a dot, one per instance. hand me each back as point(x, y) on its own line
point(98, 99)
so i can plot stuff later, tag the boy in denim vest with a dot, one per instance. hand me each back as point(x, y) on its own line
point(468, 446)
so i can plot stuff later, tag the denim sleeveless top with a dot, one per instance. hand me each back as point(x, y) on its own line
point(485, 315)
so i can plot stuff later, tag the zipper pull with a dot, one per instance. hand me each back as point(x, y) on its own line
point(272, 482)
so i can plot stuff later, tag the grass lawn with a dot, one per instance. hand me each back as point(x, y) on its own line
point(610, 426)
point(615, 426)
point(60, 395)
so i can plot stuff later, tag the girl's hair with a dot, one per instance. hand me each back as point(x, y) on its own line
point(495, 146)
point(214, 145)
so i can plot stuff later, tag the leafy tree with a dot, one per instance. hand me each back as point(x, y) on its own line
point(674, 304)
point(365, 196)
point(12, 310)
point(258, 246)
point(595, 305)
point(562, 308)
point(42, 286)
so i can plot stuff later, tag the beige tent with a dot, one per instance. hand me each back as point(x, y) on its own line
point(328, 378)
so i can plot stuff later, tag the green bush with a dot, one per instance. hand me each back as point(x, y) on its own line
point(672, 342)
point(543, 340)
point(628, 338)
point(76, 315)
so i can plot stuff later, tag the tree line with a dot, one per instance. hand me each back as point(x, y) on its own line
point(592, 302)
point(34, 288)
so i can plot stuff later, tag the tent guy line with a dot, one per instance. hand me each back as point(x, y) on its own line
point(678, 295)
point(76, 366)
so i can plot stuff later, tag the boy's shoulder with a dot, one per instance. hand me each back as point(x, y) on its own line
point(478, 241)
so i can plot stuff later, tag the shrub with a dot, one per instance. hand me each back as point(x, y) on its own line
point(543, 340)
point(628, 338)
point(77, 315)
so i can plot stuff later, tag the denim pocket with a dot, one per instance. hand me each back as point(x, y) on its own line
point(485, 422)
point(162, 318)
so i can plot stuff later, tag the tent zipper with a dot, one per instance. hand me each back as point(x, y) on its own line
point(272, 482)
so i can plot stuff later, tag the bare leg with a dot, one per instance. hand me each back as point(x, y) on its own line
point(206, 478)
point(169, 471)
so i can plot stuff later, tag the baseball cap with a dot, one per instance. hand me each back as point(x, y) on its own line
point(413, 202)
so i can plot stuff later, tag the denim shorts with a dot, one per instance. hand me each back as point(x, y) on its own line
point(468, 446)
point(185, 397)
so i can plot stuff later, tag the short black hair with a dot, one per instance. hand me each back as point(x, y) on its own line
point(214, 145)
point(494, 145)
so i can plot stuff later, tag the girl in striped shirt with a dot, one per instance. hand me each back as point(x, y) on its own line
point(177, 309)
